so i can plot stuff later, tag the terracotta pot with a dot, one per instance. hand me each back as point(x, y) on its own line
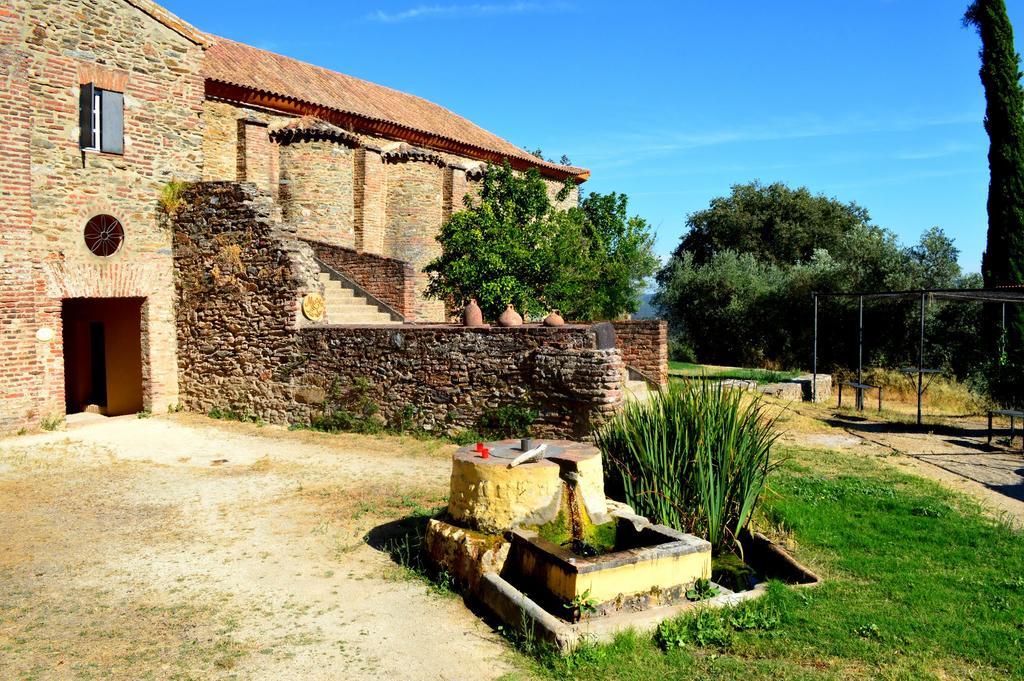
point(472, 316)
point(510, 317)
point(554, 319)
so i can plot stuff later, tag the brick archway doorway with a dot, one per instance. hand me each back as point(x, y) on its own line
point(102, 355)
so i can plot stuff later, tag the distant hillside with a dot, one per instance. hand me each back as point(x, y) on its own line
point(646, 310)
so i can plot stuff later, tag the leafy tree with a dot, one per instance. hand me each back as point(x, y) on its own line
point(777, 223)
point(513, 246)
point(743, 294)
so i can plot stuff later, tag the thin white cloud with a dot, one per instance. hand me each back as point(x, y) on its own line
point(428, 11)
point(950, 149)
point(631, 149)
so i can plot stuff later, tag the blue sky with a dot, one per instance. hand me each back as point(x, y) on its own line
point(873, 101)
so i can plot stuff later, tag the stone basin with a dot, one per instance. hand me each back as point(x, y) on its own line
point(650, 565)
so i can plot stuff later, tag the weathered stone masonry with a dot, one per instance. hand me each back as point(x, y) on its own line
point(49, 187)
point(243, 345)
point(199, 107)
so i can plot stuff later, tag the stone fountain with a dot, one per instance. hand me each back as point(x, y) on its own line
point(539, 543)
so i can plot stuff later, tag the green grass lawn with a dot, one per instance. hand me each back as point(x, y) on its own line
point(759, 375)
point(918, 584)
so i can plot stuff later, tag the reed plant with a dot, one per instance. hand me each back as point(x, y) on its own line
point(695, 457)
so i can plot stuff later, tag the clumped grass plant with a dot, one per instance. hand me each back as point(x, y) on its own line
point(694, 456)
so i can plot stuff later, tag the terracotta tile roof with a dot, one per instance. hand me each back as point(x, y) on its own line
point(404, 152)
point(308, 128)
point(252, 69)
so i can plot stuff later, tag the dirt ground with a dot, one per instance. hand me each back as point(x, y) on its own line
point(180, 547)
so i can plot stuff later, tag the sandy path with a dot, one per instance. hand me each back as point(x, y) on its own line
point(182, 547)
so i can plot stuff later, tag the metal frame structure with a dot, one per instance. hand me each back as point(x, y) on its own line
point(992, 295)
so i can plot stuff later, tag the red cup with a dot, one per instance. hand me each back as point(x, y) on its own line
point(479, 447)
point(485, 453)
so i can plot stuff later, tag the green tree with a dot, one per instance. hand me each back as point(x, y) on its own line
point(513, 246)
point(1003, 261)
point(743, 294)
point(777, 223)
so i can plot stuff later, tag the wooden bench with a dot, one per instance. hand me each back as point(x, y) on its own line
point(1013, 414)
point(860, 388)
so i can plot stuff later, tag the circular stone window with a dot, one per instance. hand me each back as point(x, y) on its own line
point(104, 235)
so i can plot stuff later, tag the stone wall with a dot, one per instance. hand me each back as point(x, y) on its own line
point(316, 190)
point(50, 187)
point(450, 375)
point(644, 347)
point(244, 346)
point(239, 278)
point(387, 279)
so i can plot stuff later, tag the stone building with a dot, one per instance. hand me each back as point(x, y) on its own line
point(108, 106)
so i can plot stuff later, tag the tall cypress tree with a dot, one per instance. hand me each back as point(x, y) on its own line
point(1003, 261)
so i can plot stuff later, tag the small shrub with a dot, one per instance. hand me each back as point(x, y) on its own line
point(144, 414)
point(507, 421)
point(170, 196)
point(680, 350)
point(52, 422)
point(702, 590)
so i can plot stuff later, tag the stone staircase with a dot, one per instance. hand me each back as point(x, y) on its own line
point(636, 390)
point(345, 306)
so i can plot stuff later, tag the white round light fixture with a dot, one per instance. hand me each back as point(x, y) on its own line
point(45, 334)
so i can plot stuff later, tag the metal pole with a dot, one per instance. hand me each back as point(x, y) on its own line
point(814, 360)
point(920, 363)
point(860, 355)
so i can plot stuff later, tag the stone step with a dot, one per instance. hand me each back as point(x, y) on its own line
point(636, 390)
point(348, 304)
point(361, 319)
point(336, 288)
point(344, 306)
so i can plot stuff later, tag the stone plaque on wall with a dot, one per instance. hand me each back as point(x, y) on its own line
point(313, 306)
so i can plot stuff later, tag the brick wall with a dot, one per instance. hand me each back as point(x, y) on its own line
point(220, 141)
point(415, 191)
point(243, 345)
point(644, 347)
point(49, 50)
point(387, 279)
point(257, 157)
point(369, 199)
point(316, 192)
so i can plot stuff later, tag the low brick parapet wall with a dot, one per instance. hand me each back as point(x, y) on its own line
point(389, 280)
point(644, 347)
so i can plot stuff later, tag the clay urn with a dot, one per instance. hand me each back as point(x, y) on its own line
point(554, 319)
point(510, 317)
point(472, 316)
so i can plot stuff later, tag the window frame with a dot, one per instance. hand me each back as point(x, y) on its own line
point(93, 101)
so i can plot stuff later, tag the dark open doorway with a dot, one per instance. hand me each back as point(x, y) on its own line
point(102, 355)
